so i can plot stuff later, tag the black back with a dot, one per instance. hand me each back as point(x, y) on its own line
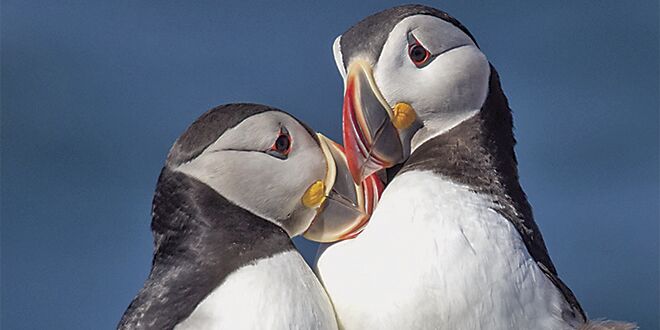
point(368, 36)
point(479, 153)
point(200, 238)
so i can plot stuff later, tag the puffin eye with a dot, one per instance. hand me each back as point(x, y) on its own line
point(282, 145)
point(418, 54)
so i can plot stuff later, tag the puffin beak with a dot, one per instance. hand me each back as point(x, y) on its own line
point(344, 207)
point(371, 128)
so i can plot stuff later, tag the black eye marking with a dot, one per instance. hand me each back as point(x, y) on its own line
point(282, 145)
point(419, 55)
point(279, 149)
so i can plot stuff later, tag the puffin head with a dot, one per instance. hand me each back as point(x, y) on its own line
point(410, 73)
point(274, 166)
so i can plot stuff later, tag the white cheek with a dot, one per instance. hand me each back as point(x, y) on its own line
point(269, 188)
point(244, 178)
point(456, 82)
point(262, 184)
point(449, 90)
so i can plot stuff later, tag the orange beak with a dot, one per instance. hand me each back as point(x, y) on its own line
point(372, 130)
point(346, 206)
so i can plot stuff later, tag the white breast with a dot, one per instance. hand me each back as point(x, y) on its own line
point(279, 292)
point(436, 256)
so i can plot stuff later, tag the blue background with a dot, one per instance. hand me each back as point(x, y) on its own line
point(95, 92)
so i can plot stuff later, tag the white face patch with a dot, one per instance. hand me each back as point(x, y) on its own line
point(238, 166)
point(445, 92)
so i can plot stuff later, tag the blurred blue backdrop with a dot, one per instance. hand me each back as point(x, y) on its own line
point(95, 92)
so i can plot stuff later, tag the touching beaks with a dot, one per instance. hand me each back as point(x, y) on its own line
point(343, 206)
point(372, 130)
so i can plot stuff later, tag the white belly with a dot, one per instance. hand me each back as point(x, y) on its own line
point(280, 292)
point(435, 256)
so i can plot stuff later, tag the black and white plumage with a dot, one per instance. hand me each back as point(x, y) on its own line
point(226, 204)
point(452, 243)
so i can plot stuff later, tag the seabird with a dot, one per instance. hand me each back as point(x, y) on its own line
point(239, 182)
point(452, 243)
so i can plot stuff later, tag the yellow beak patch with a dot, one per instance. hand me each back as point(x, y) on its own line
point(315, 195)
point(404, 115)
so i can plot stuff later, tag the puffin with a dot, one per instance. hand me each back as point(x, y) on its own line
point(452, 243)
point(236, 186)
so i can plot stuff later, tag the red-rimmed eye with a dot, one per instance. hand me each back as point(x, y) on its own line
point(282, 144)
point(418, 54)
